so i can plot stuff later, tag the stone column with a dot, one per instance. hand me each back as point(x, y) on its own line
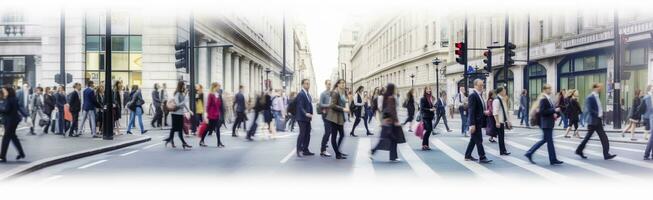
point(236, 74)
point(202, 64)
point(227, 69)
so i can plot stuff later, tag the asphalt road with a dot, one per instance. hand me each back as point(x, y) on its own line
point(274, 157)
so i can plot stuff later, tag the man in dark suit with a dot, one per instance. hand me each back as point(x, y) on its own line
point(303, 116)
point(547, 116)
point(477, 120)
point(89, 106)
point(75, 104)
point(441, 106)
point(239, 108)
point(59, 102)
point(158, 110)
point(595, 123)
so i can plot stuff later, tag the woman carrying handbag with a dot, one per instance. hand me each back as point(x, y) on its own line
point(178, 107)
point(391, 131)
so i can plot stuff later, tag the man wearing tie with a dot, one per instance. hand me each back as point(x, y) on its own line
point(303, 115)
point(595, 123)
point(546, 112)
point(440, 106)
point(477, 120)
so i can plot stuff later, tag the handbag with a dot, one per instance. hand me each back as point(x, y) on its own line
point(419, 131)
point(43, 122)
point(202, 129)
point(67, 115)
point(398, 134)
point(507, 125)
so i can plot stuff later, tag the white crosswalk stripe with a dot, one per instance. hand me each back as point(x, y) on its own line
point(599, 154)
point(598, 145)
point(363, 164)
point(475, 167)
point(420, 168)
point(543, 172)
point(596, 169)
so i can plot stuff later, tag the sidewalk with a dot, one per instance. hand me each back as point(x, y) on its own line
point(44, 150)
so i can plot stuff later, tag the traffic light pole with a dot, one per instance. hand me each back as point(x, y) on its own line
point(465, 58)
point(107, 127)
point(506, 53)
point(616, 101)
point(191, 62)
point(62, 48)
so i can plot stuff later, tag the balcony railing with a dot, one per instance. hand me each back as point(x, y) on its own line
point(18, 30)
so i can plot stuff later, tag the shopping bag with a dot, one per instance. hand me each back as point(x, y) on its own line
point(187, 125)
point(419, 131)
point(202, 129)
point(67, 115)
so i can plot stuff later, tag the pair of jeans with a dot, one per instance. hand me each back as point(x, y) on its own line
point(304, 138)
point(476, 140)
point(278, 121)
point(356, 122)
point(547, 137)
point(138, 113)
point(327, 133)
point(463, 120)
point(74, 127)
point(564, 120)
point(649, 146)
point(524, 117)
point(177, 126)
point(240, 119)
point(10, 136)
point(90, 115)
point(337, 130)
point(214, 125)
point(428, 129)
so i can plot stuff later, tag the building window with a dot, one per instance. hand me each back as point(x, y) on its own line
point(536, 79)
point(580, 72)
point(501, 81)
point(126, 47)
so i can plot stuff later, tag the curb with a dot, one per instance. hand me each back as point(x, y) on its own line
point(47, 162)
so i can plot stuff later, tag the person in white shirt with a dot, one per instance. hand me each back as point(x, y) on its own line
point(502, 121)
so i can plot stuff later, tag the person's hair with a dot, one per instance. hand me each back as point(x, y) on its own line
point(293, 94)
point(47, 89)
point(117, 86)
point(443, 93)
point(239, 87)
point(596, 85)
point(39, 88)
point(382, 91)
point(478, 81)
point(61, 87)
point(89, 83)
point(10, 91)
point(99, 90)
point(409, 95)
point(545, 87)
point(390, 90)
point(156, 86)
point(426, 88)
point(359, 89)
point(181, 87)
point(335, 86)
point(327, 81)
point(638, 92)
point(305, 80)
point(200, 89)
point(524, 92)
point(214, 87)
point(134, 87)
point(375, 92)
point(649, 88)
point(500, 89)
point(490, 95)
point(570, 93)
point(77, 84)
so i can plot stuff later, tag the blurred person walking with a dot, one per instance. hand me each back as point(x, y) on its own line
point(477, 120)
point(215, 109)
point(336, 117)
point(573, 112)
point(595, 124)
point(427, 109)
point(391, 131)
point(178, 107)
point(135, 106)
point(409, 104)
point(12, 114)
point(359, 111)
point(544, 114)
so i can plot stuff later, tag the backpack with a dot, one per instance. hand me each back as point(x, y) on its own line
point(534, 114)
point(292, 106)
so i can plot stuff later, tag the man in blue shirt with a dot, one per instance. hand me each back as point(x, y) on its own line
point(88, 107)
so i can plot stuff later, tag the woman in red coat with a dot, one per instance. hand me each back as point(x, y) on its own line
point(214, 112)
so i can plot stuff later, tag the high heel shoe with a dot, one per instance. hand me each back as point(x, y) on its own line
point(184, 146)
point(220, 145)
point(202, 144)
point(368, 134)
point(353, 135)
point(21, 156)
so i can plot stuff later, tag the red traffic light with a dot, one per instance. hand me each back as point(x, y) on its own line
point(486, 53)
point(459, 45)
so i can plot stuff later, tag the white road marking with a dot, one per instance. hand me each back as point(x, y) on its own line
point(420, 168)
point(131, 152)
point(50, 179)
point(543, 172)
point(598, 145)
point(363, 164)
point(152, 145)
point(91, 164)
point(587, 166)
point(460, 158)
point(619, 159)
point(285, 159)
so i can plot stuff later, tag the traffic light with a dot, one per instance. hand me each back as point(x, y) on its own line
point(461, 53)
point(488, 60)
point(510, 47)
point(181, 55)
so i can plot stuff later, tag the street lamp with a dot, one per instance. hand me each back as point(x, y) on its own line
point(412, 81)
point(267, 79)
point(437, 62)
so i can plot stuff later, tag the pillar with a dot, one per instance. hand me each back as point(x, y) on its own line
point(227, 69)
